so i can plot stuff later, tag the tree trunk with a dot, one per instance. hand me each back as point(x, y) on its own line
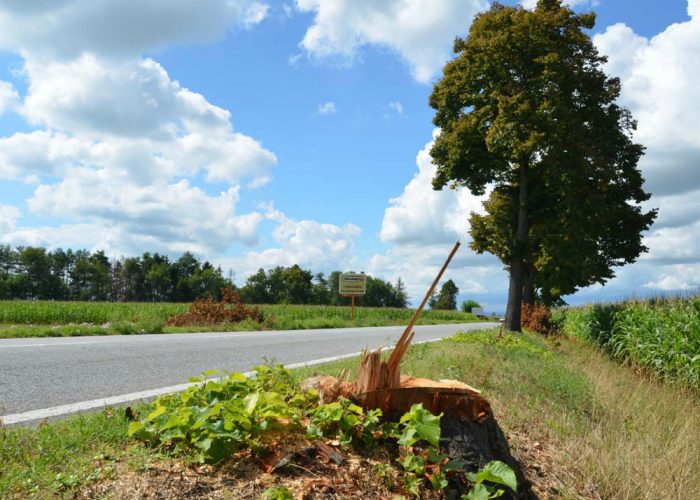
point(517, 265)
point(529, 285)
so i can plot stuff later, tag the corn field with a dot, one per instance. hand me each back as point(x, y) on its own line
point(662, 335)
point(281, 316)
point(63, 313)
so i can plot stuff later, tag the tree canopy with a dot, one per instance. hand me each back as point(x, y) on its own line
point(468, 305)
point(446, 298)
point(526, 111)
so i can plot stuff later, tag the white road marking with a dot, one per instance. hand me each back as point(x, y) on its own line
point(58, 411)
point(48, 345)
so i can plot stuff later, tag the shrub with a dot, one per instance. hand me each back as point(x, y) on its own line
point(208, 312)
point(537, 318)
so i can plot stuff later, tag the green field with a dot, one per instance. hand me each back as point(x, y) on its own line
point(660, 335)
point(49, 318)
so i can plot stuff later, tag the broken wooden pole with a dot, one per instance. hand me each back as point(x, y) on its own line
point(401, 347)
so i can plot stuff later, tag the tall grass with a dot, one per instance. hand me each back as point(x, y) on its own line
point(662, 335)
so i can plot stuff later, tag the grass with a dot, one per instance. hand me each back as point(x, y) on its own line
point(58, 457)
point(592, 426)
point(63, 319)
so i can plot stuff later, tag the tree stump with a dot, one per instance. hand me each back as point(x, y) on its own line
point(468, 428)
point(477, 443)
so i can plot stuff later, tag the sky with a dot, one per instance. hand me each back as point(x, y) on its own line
point(259, 133)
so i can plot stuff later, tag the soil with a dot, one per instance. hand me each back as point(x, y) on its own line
point(310, 474)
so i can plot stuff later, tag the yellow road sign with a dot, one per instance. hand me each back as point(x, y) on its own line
point(353, 284)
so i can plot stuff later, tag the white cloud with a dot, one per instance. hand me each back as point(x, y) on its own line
point(327, 108)
point(38, 153)
point(309, 243)
point(118, 142)
point(422, 225)
point(420, 31)
point(423, 215)
point(480, 277)
point(397, 107)
point(8, 217)
point(67, 28)
point(136, 98)
point(659, 85)
point(129, 216)
point(9, 98)
point(671, 245)
point(684, 278)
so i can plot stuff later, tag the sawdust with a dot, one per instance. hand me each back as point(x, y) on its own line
point(313, 472)
point(309, 475)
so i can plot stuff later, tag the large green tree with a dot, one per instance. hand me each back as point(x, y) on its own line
point(526, 109)
point(447, 298)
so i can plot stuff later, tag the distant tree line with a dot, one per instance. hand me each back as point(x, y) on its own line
point(294, 285)
point(34, 273)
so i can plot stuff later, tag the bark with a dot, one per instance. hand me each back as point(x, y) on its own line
point(517, 265)
point(529, 285)
point(477, 443)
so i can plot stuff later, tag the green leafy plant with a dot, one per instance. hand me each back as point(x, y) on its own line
point(211, 420)
point(419, 424)
point(487, 480)
point(346, 421)
point(277, 493)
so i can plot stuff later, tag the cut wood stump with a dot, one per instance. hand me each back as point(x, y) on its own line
point(468, 427)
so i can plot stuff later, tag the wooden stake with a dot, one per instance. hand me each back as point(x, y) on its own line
point(404, 341)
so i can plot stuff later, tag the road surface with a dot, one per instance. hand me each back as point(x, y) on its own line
point(42, 377)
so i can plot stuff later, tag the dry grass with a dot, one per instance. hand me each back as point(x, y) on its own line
point(584, 426)
point(645, 443)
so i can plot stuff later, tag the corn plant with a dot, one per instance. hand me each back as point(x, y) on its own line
point(662, 335)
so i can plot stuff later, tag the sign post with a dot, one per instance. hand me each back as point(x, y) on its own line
point(352, 285)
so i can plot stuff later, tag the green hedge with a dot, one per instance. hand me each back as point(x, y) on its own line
point(660, 334)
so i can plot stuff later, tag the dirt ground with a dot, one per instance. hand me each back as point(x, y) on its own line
point(299, 466)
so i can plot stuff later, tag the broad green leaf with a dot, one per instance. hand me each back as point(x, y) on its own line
point(454, 465)
point(497, 472)
point(438, 481)
point(237, 377)
point(355, 409)
point(313, 431)
point(435, 457)
point(156, 413)
point(251, 401)
point(408, 437)
point(479, 492)
point(204, 444)
point(426, 424)
point(135, 427)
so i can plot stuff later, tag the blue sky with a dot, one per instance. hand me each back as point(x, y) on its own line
point(262, 133)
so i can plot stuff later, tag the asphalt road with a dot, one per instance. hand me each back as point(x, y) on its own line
point(41, 373)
